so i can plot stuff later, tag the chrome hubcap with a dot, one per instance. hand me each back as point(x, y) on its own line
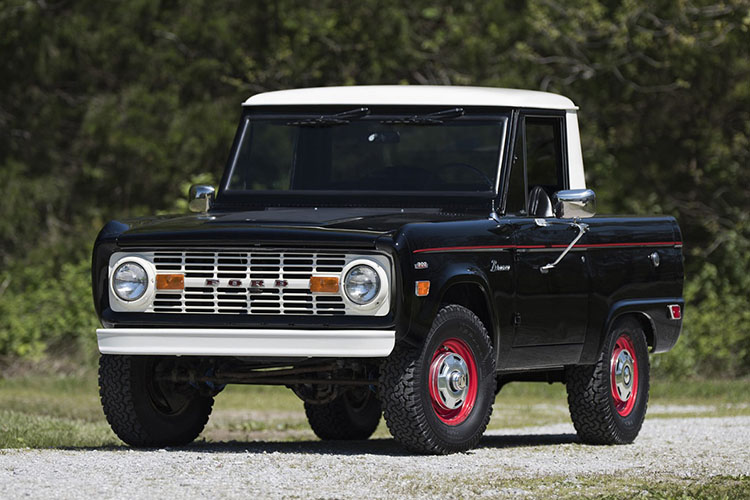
point(452, 380)
point(624, 375)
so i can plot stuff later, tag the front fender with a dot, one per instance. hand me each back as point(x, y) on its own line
point(424, 309)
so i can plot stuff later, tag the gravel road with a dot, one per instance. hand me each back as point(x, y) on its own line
point(516, 462)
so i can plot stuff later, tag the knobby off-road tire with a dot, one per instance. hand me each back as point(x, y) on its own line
point(605, 409)
point(353, 415)
point(425, 416)
point(144, 413)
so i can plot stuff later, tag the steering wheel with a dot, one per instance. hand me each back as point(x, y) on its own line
point(471, 168)
point(539, 203)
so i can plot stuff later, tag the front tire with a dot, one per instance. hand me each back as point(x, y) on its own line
point(144, 411)
point(438, 398)
point(351, 416)
point(608, 400)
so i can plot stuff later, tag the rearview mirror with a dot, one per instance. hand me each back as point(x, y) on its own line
point(571, 203)
point(385, 137)
point(201, 198)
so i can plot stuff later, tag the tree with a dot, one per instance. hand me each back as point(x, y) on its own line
point(108, 109)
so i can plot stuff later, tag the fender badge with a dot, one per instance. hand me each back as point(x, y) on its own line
point(421, 265)
point(495, 267)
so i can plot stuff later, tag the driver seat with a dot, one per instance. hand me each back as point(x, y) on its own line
point(539, 203)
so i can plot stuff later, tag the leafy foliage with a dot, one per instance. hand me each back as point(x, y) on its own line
point(49, 312)
point(107, 109)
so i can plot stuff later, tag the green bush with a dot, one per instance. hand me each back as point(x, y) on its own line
point(715, 339)
point(46, 309)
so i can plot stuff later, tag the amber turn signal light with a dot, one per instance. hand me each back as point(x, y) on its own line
point(329, 284)
point(170, 282)
point(422, 288)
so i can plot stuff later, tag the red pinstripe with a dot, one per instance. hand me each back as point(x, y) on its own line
point(514, 247)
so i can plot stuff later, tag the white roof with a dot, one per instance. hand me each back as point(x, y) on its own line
point(438, 95)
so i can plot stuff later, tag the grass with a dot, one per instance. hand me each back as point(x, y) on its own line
point(602, 486)
point(63, 412)
point(44, 412)
point(678, 488)
point(527, 404)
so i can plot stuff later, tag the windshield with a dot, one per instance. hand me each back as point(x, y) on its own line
point(356, 150)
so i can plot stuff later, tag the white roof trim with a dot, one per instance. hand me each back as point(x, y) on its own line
point(396, 95)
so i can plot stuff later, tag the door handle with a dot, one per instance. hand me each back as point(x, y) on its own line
point(582, 229)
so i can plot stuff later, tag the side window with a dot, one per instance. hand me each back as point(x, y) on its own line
point(537, 161)
point(544, 166)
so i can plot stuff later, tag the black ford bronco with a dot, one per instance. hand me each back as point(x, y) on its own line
point(403, 251)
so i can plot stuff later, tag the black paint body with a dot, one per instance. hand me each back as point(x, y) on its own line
point(537, 320)
point(475, 256)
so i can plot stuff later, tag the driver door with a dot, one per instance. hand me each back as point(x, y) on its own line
point(550, 308)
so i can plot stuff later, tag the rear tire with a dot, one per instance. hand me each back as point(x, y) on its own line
point(351, 416)
point(144, 412)
point(608, 400)
point(438, 398)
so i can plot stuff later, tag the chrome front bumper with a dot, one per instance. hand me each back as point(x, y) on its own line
point(246, 342)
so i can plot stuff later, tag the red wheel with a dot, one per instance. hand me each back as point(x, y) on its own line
point(437, 398)
point(453, 381)
point(624, 375)
point(608, 399)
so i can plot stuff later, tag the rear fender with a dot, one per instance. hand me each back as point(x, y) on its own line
point(661, 330)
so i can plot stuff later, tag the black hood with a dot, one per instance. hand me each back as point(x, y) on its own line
point(359, 227)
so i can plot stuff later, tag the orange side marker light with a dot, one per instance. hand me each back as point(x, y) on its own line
point(326, 284)
point(422, 288)
point(170, 282)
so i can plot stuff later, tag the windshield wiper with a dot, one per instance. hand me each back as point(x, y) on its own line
point(429, 119)
point(327, 120)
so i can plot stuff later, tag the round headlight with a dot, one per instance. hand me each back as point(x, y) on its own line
point(130, 281)
point(362, 284)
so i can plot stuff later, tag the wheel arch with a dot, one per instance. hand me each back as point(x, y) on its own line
point(639, 316)
point(473, 295)
point(647, 313)
point(470, 290)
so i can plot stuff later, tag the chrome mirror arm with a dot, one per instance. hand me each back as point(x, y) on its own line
point(582, 229)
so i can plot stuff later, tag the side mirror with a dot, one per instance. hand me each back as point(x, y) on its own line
point(201, 198)
point(572, 203)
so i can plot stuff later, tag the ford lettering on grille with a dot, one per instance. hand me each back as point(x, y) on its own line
point(252, 283)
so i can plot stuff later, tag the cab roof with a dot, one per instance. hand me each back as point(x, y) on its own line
point(411, 95)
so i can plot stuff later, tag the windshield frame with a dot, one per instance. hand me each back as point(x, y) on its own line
point(229, 196)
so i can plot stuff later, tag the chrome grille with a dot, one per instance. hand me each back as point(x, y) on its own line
point(293, 268)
